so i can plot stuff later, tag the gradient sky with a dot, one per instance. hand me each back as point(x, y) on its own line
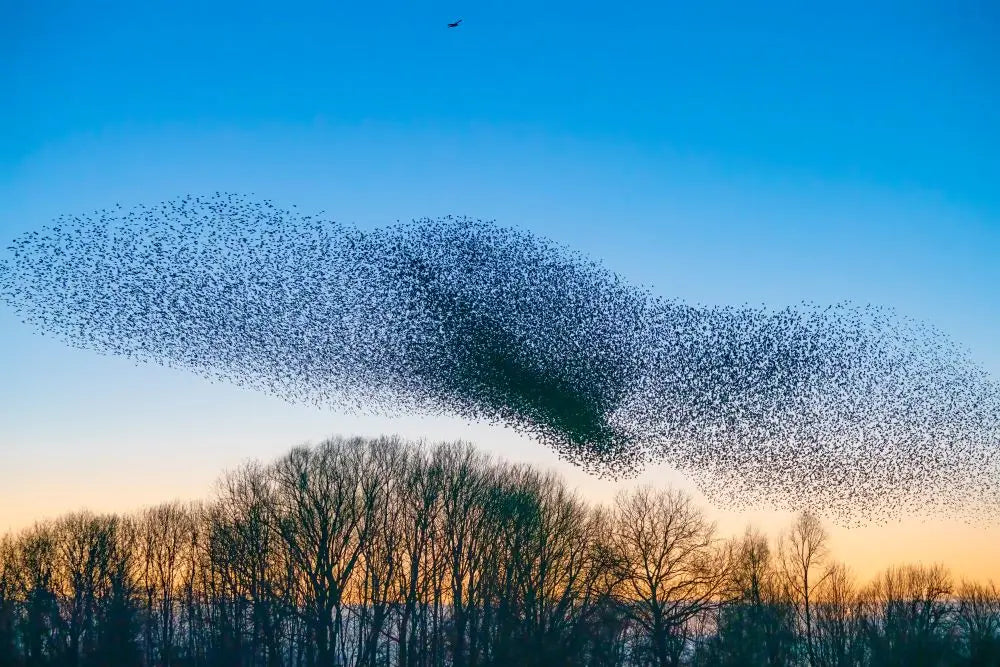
point(717, 152)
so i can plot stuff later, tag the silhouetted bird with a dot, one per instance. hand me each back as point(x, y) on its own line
point(455, 24)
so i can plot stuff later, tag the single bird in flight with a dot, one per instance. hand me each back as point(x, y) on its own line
point(455, 24)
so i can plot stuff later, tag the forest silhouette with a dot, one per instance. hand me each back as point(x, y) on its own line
point(372, 552)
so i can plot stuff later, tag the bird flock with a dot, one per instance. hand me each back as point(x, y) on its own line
point(854, 411)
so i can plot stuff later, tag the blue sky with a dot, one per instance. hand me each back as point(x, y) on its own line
point(718, 152)
point(896, 94)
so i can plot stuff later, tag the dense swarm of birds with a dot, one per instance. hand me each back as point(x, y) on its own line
point(853, 411)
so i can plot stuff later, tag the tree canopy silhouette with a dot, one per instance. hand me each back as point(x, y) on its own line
point(382, 552)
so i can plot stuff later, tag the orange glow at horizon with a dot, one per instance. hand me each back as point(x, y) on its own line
point(968, 551)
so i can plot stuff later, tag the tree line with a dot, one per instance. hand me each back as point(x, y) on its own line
point(378, 552)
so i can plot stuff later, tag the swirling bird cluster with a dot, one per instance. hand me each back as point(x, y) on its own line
point(854, 411)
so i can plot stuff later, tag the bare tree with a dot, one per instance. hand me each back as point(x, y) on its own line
point(383, 472)
point(37, 566)
point(464, 484)
point(163, 532)
point(672, 567)
point(326, 513)
point(416, 504)
point(908, 616)
point(803, 553)
point(837, 620)
point(246, 559)
point(979, 619)
point(373, 552)
point(86, 545)
point(9, 612)
point(756, 626)
point(119, 623)
point(563, 573)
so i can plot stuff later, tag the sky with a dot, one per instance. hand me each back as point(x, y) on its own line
point(718, 152)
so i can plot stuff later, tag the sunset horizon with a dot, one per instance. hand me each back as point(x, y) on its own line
point(967, 553)
point(744, 257)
